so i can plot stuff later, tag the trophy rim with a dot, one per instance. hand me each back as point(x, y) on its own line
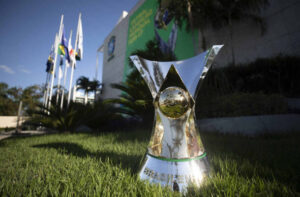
point(203, 155)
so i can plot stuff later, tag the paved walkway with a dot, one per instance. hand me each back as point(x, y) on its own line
point(8, 134)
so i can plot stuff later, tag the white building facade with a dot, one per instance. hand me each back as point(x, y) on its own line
point(282, 36)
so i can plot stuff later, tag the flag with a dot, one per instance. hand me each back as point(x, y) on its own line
point(71, 52)
point(50, 61)
point(63, 48)
point(72, 55)
point(79, 35)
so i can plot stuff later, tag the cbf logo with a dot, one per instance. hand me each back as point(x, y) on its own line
point(111, 47)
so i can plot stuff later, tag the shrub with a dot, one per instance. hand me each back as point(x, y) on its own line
point(276, 75)
point(240, 104)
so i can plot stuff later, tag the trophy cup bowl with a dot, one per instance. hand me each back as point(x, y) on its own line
point(176, 157)
point(173, 102)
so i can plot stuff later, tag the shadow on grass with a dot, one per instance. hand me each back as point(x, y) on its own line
point(14, 137)
point(268, 157)
point(138, 135)
point(122, 136)
point(130, 162)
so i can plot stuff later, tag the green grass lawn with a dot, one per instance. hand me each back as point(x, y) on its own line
point(106, 164)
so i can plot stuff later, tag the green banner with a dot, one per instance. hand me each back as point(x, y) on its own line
point(142, 28)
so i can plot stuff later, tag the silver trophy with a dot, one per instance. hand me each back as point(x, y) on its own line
point(175, 156)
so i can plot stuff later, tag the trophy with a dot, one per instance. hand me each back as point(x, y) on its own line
point(176, 157)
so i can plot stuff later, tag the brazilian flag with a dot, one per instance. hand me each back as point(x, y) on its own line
point(63, 48)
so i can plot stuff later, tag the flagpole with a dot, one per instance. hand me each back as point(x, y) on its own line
point(65, 78)
point(73, 63)
point(45, 90)
point(55, 59)
point(58, 84)
point(59, 76)
point(51, 72)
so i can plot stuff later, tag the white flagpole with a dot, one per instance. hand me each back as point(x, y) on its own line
point(55, 59)
point(49, 74)
point(73, 63)
point(65, 77)
point(58, 83)
point(45, 90)
point(48, 79)
point(59, 78)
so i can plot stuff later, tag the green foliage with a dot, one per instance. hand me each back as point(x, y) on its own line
point(6, 129)
point(100, 115)
point(68, 119)
point(275, 75)
point(240, 104)
point(200, 14)
point(255, 88)
point(64, 120)
point(11, 97)
point(107, 165)
point(8, 106)
point(88, 86)
point(83, 83)
point(31, 96)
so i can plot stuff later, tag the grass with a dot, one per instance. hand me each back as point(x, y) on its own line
point(106, 164)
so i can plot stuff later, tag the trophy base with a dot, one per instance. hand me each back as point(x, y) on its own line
point(177, 174)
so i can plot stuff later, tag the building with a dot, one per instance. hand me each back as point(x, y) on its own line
point(78, 95)
point(140, 25)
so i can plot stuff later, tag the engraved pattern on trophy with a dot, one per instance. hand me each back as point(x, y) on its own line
point(176, 155)
point(158, 74)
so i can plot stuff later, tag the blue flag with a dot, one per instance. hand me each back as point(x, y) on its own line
point(63, 47)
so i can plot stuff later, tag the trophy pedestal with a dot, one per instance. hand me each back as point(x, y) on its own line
point(177, 174)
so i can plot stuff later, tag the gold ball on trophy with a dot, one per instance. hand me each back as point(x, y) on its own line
point(173, 102)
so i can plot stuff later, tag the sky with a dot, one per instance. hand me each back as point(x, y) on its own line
point(28, 28)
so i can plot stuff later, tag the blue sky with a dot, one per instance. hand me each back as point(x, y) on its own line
point(28, 28)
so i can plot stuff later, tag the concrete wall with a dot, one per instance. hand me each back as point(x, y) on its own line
point(10, 121)
point(282, 35)
point(252, 125)
point(114, 68)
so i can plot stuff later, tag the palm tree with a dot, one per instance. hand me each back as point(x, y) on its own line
point(64, 120)
point(199, 14)
point(135, 99)
point(228, 11)
point(84, 84)
point(195, 13)
point(94, 85)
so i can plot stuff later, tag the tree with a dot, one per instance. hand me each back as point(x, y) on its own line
point(31, 96)
point(94, 85)
point(218, 13)
point(195, 13)
point(84, 84)
point(11, 97)
point(228, 11)
point(8, 106)
point(64, 120)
